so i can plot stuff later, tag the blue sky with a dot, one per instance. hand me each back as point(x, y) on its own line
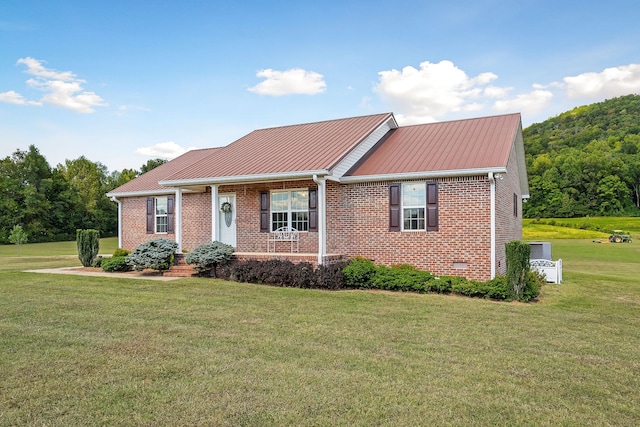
point(121, 82)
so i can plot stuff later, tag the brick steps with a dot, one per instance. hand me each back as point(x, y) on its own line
point(180, 268)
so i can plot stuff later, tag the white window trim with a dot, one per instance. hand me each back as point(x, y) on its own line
point(403, 207)
point(289, 211)
point(156, 215)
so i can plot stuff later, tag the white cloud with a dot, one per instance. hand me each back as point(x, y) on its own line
point(611, 82)
point(164, 150)
point(61, 88)
point(422, 95)
point(12, 97)
point(289, 82)
point(526, 103)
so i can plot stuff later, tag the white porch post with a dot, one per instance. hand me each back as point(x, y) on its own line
point(322, 219)
point(214, 213)
point(178, 219)
point(119, 203)
point(492, 183)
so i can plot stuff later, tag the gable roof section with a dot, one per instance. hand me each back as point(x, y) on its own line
point(281, 152)
point(147, 183)
point(461, 147)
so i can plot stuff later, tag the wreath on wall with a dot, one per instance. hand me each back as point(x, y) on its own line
point(225, 207)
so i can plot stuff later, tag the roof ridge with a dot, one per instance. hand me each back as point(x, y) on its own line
point(462, 120)
point(323, 121)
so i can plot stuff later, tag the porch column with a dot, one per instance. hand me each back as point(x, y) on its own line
point(322, 219)
point(214, 213)
point(178, 219)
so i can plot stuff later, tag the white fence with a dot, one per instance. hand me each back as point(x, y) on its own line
point(552, 270)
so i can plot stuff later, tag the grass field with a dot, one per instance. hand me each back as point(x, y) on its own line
point(102, 351)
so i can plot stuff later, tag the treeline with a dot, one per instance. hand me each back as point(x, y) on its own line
point(51, 203)
point(585, 162)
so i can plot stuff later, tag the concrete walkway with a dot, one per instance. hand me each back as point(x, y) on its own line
point(95, 272)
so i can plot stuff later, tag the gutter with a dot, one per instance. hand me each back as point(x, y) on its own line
point(119, 203)
point(423, 175)
point(240, 179)
point(492, 182)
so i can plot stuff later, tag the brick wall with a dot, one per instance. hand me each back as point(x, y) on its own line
point(508, 225)
point(358, 223)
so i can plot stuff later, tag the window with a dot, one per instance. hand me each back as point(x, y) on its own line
point(161, 215)
point(413, 206)
point(414, 199)
point(290, 209)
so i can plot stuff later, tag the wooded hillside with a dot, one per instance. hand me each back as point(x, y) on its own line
point(585, 162)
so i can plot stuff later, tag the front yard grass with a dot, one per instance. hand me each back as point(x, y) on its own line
point(102, 351)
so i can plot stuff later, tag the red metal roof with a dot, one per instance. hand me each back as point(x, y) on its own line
point(296, 148)
point(148, 182)
point(479, 143)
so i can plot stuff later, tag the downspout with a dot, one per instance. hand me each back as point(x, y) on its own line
point(214, 213)
point(322, 219)
point(115, 199)
point(492, 183)
point(178, 219)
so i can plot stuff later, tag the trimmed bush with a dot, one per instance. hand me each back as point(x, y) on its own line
point(88, 242)
point(156, 254)
point(121, 252)
point(331, 276)
point(401, 277)
point(359, 273)
point(518, 254)
point(207, 257)
point(116, 263)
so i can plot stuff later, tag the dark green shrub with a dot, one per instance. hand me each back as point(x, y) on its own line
point(88, 242)
point(401, 277)
point(533, 283)
point(156, 254)
point(359, 273)
point(518, 255)
point(121, 252)
point(97, 262)
point(116, 263)
point(208, 256)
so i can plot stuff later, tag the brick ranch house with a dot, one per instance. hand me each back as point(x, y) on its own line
point(444, 197)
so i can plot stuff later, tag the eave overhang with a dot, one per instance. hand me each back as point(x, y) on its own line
point(245, 179)
point(421, 175)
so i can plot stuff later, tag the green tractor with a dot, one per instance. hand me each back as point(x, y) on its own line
point(619, 236)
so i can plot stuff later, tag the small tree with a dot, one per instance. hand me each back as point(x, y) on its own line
point(518, 254)
point(88, 242)
point(18, 236)
point(156, 254)
point(208, 256)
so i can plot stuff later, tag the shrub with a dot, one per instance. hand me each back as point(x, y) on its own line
point(331, 276)
point(121, 252)
point(88, 242)
point(156, 254)
point(401, 277)
point(518, 254)
point(97, 262)
point(116, 263)
point(359, 273)
point(207, 257)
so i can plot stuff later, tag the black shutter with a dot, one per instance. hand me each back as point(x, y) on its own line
point(394, 207)
point(170, 214)
point(150, 213)
point(264, 211)
point(432, 206)
point(313, 209)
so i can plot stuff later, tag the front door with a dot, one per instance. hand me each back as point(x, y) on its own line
point(227, 218)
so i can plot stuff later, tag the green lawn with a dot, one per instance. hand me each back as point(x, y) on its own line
point(100, 351)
